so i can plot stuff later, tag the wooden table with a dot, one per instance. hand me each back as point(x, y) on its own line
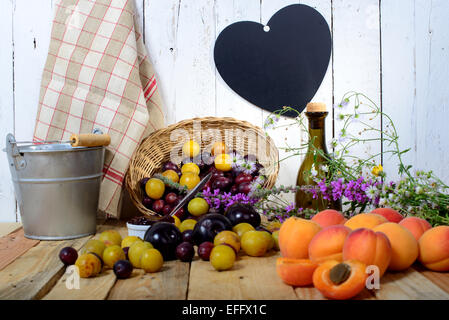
point(32, 270)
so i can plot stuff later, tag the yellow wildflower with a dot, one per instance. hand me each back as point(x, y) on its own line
point(377, 170)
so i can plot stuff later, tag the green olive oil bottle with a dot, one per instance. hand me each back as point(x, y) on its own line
point(313, 162)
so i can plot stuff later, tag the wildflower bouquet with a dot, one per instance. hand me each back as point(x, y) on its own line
point(358, 181)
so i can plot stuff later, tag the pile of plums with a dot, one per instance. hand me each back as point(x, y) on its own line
point(173, 244)
point(161, 196)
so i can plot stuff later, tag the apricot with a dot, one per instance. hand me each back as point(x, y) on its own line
point(434, 249)
point(340, 280)
point(388, 213)
point(295, 235)
point(328, 244)
point(404, 247)
point(369, 247)
point(296, 272)
point(365, 220)
point(416, 226)
point(328, 218)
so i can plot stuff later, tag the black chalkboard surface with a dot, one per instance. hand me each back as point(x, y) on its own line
point(283, 66)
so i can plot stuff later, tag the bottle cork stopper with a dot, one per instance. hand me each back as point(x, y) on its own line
point(316, 107)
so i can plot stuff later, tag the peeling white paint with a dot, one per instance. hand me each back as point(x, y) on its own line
point(406, 40)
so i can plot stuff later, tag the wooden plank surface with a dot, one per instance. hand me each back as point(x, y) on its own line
point(250, 278)
point(308, 293)
point(39, 273)
point(169, 284)
point(96, 288)
point(409, 285)
point(8, 227)
point(441, 279)
point(31, 275)
point(13, 246)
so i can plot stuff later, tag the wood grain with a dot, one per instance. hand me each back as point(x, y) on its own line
point(308, 293)
point(409, 285)
point(38, 273)
point(96, 288)
point(8, 227)
point(441, 279)
point(34, 273)
point(250, 278)
point(13, 246)
point(169, 284)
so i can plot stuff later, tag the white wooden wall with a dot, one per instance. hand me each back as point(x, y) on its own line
point(395, 51)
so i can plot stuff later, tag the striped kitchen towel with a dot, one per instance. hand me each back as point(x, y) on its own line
point(98, 75)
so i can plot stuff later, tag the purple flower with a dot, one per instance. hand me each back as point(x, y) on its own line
point(322, 185)
point(219, 201)
point(337, 189)
point(290, 207)
point(353, 190)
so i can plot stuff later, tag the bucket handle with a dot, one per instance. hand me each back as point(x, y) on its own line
point(15, 158)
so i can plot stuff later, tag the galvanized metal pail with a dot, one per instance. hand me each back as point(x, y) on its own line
point(57, 188)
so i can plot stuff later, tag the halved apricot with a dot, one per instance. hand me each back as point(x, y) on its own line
point(296, 272)
point(340, 280)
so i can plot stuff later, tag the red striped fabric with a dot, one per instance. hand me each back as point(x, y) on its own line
point(98, 76)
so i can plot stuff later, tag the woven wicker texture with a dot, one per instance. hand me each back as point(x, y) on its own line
point(166, 145)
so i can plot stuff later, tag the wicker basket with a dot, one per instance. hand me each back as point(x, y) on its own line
point(157, 148)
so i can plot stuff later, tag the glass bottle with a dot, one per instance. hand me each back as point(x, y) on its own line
point(316, 114)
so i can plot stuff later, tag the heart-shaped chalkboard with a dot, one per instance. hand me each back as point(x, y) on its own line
point(282, 66)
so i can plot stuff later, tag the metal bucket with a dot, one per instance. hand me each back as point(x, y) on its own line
point(57, 188)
